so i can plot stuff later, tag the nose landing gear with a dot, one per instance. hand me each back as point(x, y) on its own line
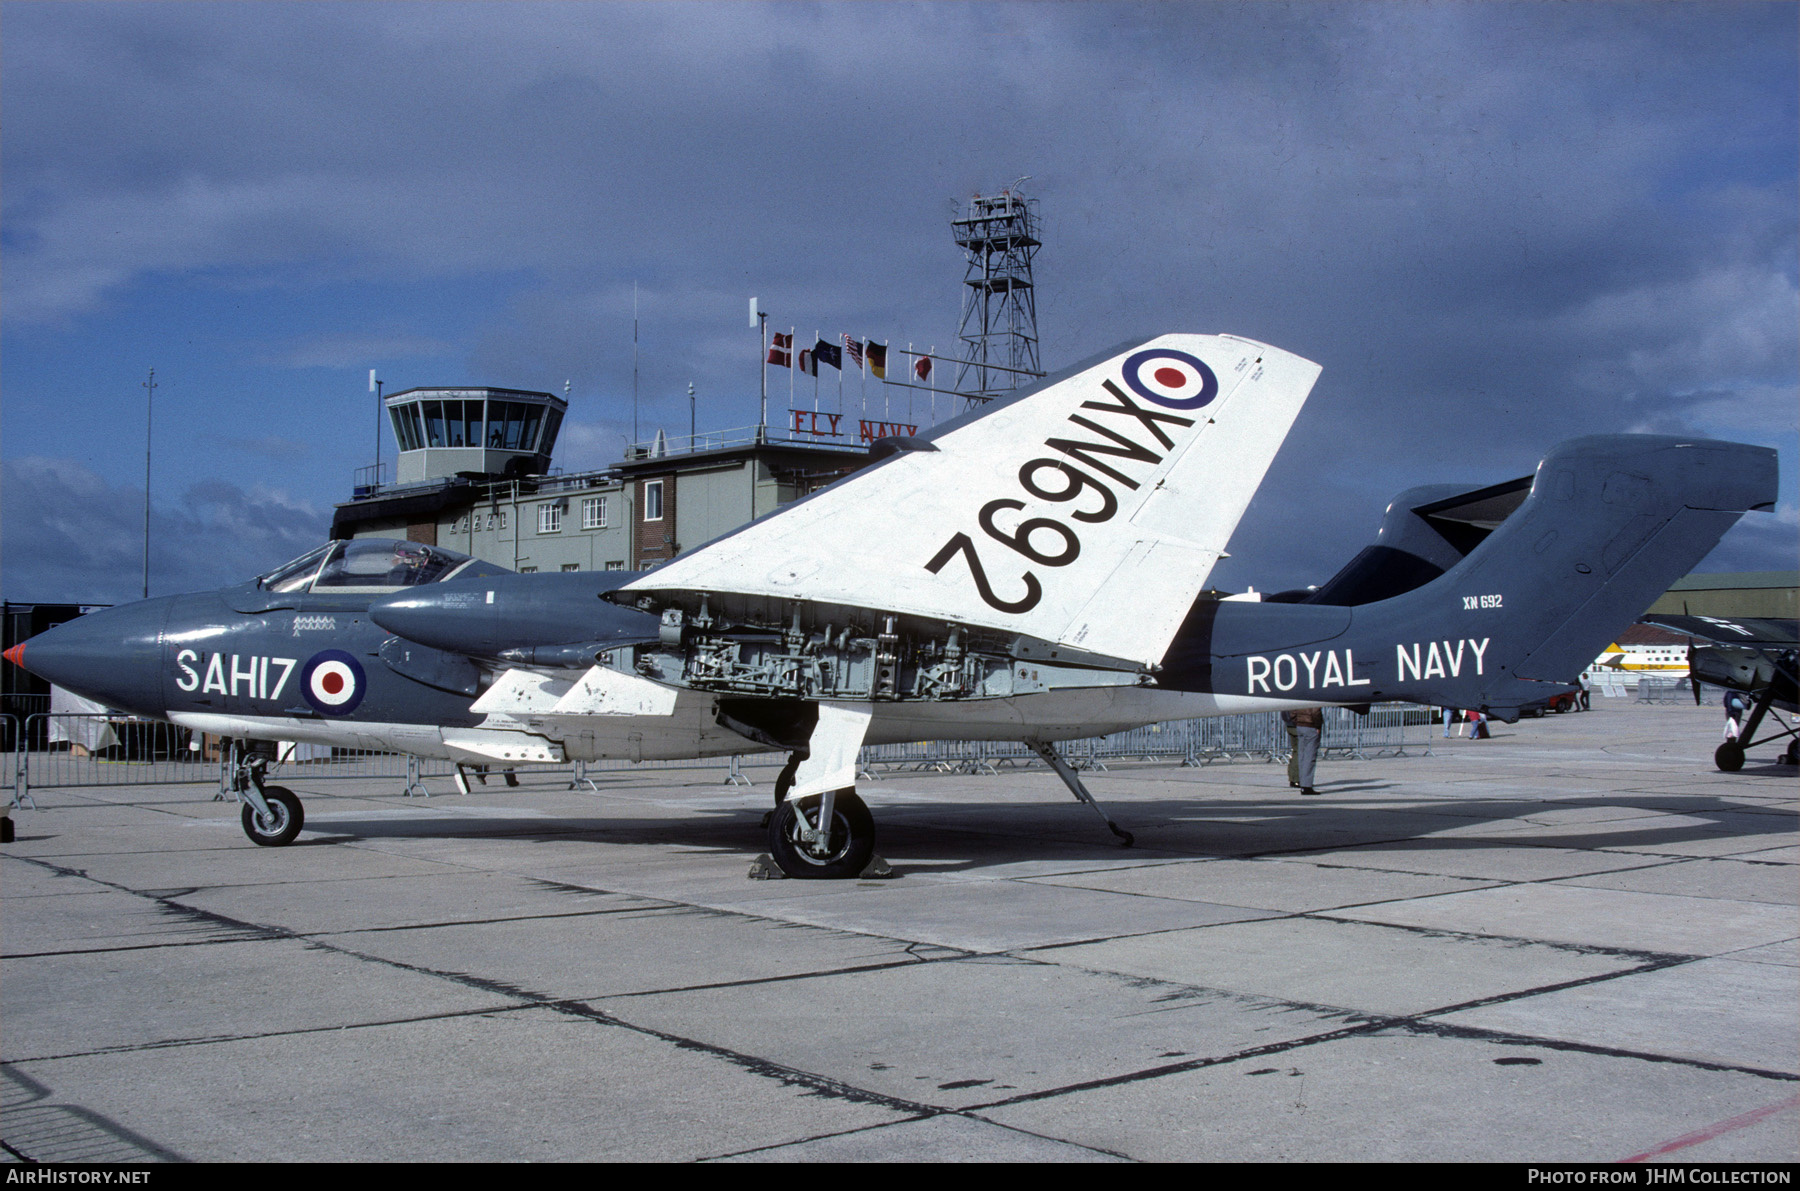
point(272, 815)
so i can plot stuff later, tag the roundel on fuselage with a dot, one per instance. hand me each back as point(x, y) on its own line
point(1170, 378)
point(333, 682)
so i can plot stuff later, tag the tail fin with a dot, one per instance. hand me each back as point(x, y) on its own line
point(1424, 533)
point(1609, 524)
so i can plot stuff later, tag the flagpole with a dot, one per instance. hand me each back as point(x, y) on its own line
point(762, 425)
point(793, 365)
point(634, 364)
point(909, 401)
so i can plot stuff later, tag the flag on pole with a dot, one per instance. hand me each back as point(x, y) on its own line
point(855, 349)
point(922, 368)
point(808, 364)
point(878, 359)
point(781, 350)
point(828, 353)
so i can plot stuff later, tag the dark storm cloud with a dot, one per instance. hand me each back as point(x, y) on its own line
point(70, 537)
point(1494, 225)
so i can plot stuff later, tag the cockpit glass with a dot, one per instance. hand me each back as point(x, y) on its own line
point(296, 575)
point(380, 562)
point(364, 563)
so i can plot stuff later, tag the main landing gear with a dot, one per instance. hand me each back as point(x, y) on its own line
point(820, 836)
point(272, 816)
point(829, 835)
point(832, 835)
point(1729, 756)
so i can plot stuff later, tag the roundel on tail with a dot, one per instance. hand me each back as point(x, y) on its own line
point(333, 682)
point(1170, 378)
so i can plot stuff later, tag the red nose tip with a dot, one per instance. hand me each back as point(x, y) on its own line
point(16, 655)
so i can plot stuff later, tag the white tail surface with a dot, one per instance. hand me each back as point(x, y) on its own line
point(1088, 512)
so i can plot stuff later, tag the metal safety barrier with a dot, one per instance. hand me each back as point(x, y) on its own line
point(12, 740)
point(1662, 690)
point(56, 750)
point(1395, 729)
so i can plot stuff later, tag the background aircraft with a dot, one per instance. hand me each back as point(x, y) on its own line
point(1030, 571)
point(1756, 655)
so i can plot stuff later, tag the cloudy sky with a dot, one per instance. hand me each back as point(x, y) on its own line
point(1495, 225)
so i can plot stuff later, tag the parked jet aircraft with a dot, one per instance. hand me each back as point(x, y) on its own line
point(1030, 571)
point(1758, 656)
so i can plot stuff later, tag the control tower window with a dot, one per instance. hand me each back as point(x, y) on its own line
point(406, 427)
point(552, 423)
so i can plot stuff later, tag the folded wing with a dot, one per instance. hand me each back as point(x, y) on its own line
point(1087, 510)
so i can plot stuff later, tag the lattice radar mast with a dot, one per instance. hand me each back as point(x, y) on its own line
point(999, 237)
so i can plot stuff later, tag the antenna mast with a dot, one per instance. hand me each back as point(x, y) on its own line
point(999, 238)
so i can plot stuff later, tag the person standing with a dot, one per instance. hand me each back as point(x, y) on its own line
point(1304, 727)
point(1287, 725)
point(1735, 706)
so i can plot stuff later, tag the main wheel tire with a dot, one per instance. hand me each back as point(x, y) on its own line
point(1729, 757)
point(286, 812)
point(848, 848)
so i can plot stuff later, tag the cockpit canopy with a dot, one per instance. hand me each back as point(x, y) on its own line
point(369, 565)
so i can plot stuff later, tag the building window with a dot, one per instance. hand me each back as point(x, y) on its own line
point(571, 566)
point(616, 566)
point(462, 524)
point(527, 570)
point(549, 518)
point(593, 512)
point(653, 500)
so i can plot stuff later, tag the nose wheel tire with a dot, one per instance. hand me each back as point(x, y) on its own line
point(845, 852)
point(283, 822)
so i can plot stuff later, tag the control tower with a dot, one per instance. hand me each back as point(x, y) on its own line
point(999, 237)
point(491, 432)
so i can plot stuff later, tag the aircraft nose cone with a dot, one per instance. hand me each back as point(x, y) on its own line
point(113, 656)
point(16, 655)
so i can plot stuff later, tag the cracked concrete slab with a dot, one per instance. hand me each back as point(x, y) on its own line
point(553, 974)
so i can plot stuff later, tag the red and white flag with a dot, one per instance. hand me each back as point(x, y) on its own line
point(781, 350)
point(922, 368)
